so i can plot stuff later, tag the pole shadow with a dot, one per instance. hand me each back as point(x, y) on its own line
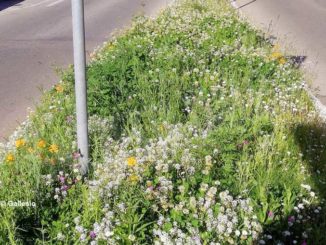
point(296, 60)
point(4, 4)
point(306, 224)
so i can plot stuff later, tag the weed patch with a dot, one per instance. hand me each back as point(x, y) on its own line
point(201, 132)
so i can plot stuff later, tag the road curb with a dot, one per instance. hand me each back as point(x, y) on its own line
point(320, 107)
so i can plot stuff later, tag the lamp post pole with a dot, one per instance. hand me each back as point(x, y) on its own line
point(80, 83)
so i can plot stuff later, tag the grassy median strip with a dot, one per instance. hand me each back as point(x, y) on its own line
point(201, 132)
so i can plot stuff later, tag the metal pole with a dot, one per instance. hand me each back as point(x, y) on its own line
point(80, 82)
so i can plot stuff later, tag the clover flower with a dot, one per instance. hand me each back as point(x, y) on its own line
point(270, 214)
point(92, 234)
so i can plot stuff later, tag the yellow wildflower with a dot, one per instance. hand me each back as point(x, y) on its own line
point(41, 144)
point(53, 148)
point(133, 178)
point(131, 161)
point(276, 55)
point(109, 47)
point(10, 158)
point(282, 61)
point(20, 143)
point(149, 183)
point(161, 128)
point(59, 88)
point(30, 150)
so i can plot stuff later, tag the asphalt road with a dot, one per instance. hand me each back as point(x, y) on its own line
point(298, 24)
point(36, 38)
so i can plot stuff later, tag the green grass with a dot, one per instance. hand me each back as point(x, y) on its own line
point(201, 132)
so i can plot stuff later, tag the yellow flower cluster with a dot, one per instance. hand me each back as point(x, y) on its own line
point(10, 158)
point(41, 144)
point(20, 143)
point(133, 178)
point(277, 55)
point(54, 148)
point(131, 162)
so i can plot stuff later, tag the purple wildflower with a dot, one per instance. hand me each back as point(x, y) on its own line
point(62, 179)
point(291, 219)
point(245, 142)
point(92, 234)
point(64, 188)
point(76, 155)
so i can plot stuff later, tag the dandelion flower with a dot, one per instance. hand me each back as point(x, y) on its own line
point(10, 158)
point(161, 128)
point(53, 148)
point(282, 61)
point(133, 178)
point(20, 143)
point(59, 88)
point(131, 161)
point(276, 55)
point(41, 144)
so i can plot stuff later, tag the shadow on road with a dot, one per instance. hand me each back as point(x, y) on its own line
point(9, 3)
point(297, 60)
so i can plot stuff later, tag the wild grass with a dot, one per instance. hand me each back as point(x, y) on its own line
point(201, 132)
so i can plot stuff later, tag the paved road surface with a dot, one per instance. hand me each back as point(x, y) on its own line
point(301, 23)
point(35, 37)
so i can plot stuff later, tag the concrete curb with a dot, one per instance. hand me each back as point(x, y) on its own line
point(320, 107)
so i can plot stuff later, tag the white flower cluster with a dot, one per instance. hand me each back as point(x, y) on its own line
point(98, 124)
point(163, 154)
point(229, 220)
point(104, 230)
point(176, 236)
